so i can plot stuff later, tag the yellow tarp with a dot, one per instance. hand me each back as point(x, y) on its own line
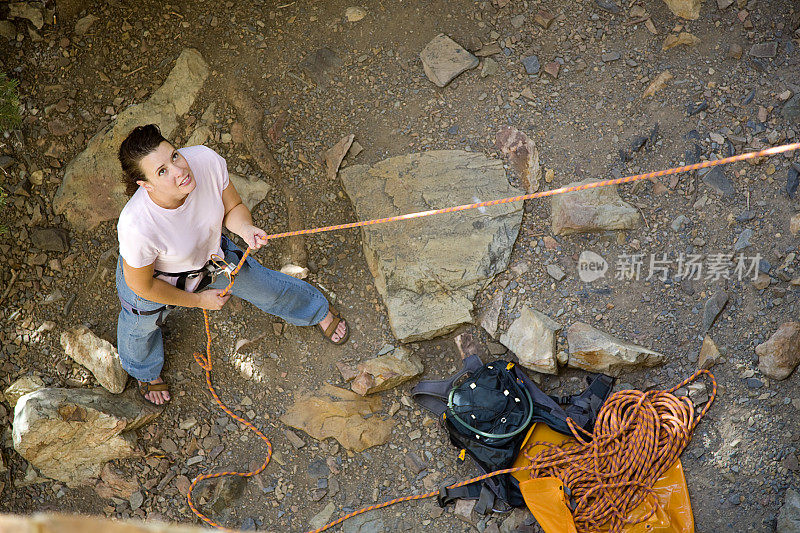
point(546, 499)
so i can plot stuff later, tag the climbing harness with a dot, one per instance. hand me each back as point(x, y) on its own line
point(190, 280)
point(487, 411)
point(620, 419)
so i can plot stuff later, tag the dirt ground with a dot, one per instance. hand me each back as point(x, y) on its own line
point(743, 454)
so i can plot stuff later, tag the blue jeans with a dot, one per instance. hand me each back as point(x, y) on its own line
point(139, 340)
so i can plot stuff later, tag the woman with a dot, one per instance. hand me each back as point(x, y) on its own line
point(168, 231)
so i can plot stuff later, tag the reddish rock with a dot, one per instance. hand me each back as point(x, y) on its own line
point(237, 133)
point(522, 155)
point(60, 128)
point(550, 243)
point(552, 69)
point(348, 371)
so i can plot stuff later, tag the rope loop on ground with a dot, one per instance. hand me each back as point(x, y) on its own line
point(204, 360)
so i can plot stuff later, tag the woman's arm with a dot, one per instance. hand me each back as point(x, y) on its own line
point(239, 220)
point(142, 282)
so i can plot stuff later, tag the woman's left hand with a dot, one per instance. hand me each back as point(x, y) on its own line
point(253, 236)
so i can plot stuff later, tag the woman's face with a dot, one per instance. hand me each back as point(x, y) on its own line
point(167, 174)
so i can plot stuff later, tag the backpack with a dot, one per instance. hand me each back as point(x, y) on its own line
point(487, 410)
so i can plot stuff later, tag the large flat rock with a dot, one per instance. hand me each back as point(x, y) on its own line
point(341, 414)
point(92, 191)
point(428, 270)
point(68, 434)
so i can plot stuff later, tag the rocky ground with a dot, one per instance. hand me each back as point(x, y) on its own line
point(581, 101)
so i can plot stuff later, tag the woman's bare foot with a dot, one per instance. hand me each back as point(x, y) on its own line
point(341, 330)
point(155, 391)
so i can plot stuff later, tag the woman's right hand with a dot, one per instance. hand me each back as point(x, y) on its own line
point(212, 299)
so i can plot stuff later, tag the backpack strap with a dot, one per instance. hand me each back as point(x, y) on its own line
point(484, 491)
point(486, 500)
point(545, 408)
point(432, 394)
point(465, 492)
point(583, 408)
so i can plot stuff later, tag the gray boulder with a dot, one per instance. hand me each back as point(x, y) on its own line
point(780, 354)
point(428, 270)
point(91, 191)
point(532, 337)
point(593, 350)
point(791, 109)
point(386, 371)
point(96, 354)
point(68, 434)
point(443, 59)
point(251, 189)
point(591, 210)
point(789, 515)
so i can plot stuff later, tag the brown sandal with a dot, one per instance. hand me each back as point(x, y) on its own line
point(337, 319)
point(146, 388)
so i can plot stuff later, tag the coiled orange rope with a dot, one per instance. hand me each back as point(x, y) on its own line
point(637, 437)
point(205, 360)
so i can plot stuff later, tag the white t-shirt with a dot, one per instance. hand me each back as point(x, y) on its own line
point(181, 239)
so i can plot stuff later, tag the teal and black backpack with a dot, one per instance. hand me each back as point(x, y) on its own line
point(487, 410)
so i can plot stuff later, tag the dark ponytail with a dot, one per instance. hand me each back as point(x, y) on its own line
point(140, 142)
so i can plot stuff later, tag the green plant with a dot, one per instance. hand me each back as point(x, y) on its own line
point(9, 103)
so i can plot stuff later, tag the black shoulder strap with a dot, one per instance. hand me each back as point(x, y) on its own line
point(465, 492)
point(545, 408)
point(583, 408)
point(432, 394)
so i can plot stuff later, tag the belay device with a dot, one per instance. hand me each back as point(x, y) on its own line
point(488, 410)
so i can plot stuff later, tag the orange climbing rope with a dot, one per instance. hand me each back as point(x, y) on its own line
point(677, 420)
point(628, 179)
point(204, 360)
